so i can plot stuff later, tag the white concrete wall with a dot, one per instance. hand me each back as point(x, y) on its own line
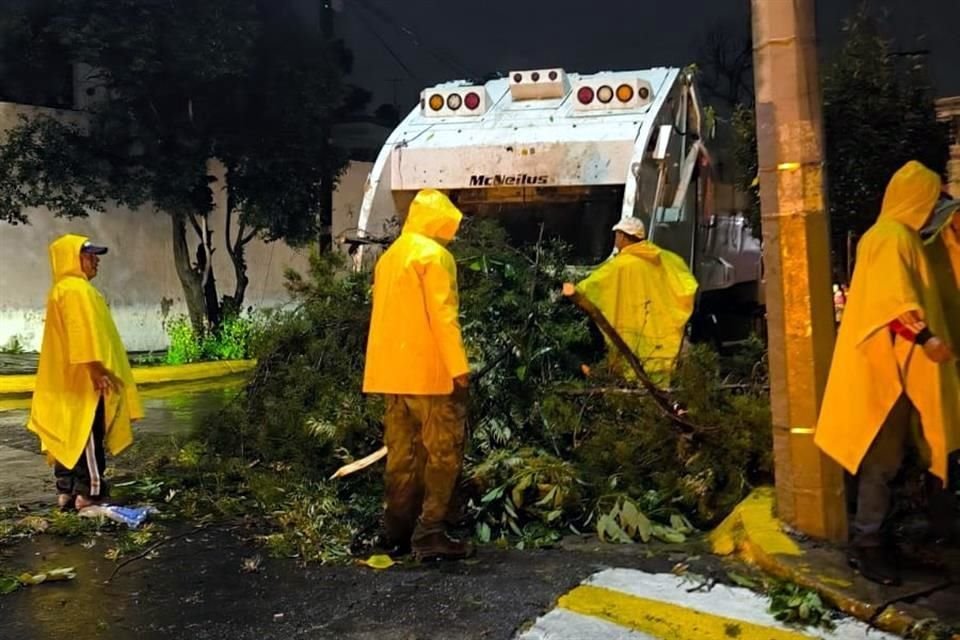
point(138, 276)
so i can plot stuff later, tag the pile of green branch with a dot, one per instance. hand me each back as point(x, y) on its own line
point(551, 450)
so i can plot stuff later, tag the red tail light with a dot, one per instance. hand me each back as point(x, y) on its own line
point(472, 101)
point(585, 95)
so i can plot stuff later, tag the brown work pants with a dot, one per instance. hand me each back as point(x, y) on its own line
point(424, 437)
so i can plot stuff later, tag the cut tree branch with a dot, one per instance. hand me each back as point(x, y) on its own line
point(660, 397)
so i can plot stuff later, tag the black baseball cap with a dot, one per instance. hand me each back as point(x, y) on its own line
point(95, 249)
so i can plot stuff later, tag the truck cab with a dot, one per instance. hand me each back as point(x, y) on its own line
point(574, 153)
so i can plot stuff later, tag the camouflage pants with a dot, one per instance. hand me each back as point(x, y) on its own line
point(424, 437)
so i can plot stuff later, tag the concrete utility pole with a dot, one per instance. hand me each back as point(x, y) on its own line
point(797, 259)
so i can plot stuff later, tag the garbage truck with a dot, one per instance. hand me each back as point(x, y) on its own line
point(568, 155)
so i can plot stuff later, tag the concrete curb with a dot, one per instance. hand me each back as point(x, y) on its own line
point(753, 534)
point(22, 385)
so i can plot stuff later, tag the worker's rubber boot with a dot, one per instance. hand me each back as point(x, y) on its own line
point(383, 544)
point(440, 546)
point(876, 563)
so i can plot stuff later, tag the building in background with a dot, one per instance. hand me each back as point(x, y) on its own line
point(948, 110)
point(139, 277)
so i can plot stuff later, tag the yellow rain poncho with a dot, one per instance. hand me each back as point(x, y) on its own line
point(870, 369)
point(943, 253)
point(79, 330)
point(415, 346)
point(647, 294)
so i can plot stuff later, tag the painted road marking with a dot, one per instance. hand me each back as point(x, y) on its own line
point(561, 624)
point(633, 605)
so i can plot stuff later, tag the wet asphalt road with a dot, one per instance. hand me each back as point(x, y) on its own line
point(171, 411)
point(195, 588)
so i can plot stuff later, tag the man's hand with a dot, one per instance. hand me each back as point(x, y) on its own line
point(462, 382)
point(103, 382)
point(938, 351)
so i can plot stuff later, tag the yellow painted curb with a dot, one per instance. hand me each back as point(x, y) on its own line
point(22, 385)
point(16, 385)
point(753, 530)
point(753, 534)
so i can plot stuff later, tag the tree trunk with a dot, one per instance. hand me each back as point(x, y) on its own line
point(190, 279)
point(240, 270)
point(210, 296)
point(237, 251)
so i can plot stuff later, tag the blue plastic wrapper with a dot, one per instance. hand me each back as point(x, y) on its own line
point(132, 517)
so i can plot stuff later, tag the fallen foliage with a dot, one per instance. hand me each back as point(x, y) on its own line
point(552, 451)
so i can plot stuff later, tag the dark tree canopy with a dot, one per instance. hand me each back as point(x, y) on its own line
point(878, 113)
point(171, 85)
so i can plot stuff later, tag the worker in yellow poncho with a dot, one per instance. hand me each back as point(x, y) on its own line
point(942, 242)
point(647, 294)
point(892, 360)
point(85, 398)
point(416, 359)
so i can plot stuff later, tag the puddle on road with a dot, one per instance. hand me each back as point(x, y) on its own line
point(89, 607)
point(171, 411)
point(72, 609)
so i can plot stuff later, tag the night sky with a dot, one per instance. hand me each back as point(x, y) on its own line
point(452, 38)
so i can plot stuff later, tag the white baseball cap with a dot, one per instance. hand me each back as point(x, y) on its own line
point(632, 227)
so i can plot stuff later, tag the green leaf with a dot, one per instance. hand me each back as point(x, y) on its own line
point(483, 532)
point(602, 527)
point(8, 584)
point(493, 494)
point(668, 535)
point(681, 524)
point(547, 500)
point(517, 493)
point(741, 580)
point(645, 529)
point(630, 518)
point(613, 533)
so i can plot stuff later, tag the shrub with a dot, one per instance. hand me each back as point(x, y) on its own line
point(185, 346)
point(231, 340)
